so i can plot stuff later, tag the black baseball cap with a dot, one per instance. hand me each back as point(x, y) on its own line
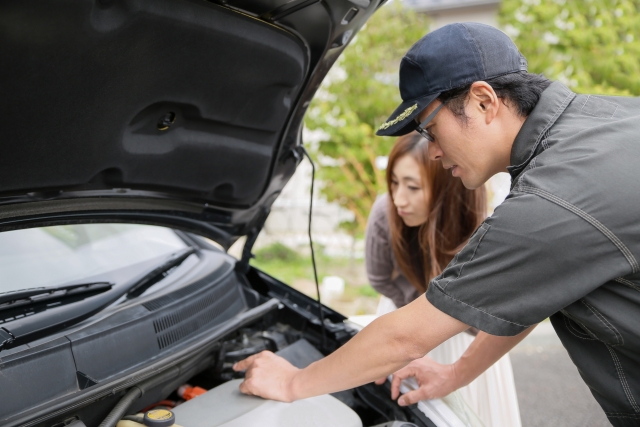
point(453, 56)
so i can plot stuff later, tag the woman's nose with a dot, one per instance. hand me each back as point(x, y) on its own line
point(435, 152)
point(399, 199)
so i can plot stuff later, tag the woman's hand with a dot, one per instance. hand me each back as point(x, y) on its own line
point(268, 376)
point(434, 381)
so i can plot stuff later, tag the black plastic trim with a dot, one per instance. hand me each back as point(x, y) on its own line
point(200, 346)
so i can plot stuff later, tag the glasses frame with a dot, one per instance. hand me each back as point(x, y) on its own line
point(420, 127)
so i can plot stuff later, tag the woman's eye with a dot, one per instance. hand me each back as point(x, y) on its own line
point(414, 188)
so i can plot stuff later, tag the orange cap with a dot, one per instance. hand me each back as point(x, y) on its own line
point(188, 392)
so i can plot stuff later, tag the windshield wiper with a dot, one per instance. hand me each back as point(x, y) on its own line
point(88, 299)
point(32, 295)
point(160, 272)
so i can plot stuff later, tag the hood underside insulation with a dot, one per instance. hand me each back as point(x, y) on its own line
point(175, 96)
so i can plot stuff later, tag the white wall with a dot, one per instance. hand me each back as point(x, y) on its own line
point(483, 14)
point(288, 221)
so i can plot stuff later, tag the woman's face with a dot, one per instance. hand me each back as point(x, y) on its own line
point(407, 191)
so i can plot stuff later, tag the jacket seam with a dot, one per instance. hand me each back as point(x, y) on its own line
point(532, 164)
point(623, 379)
point(635, 267)
point(476, 308)
point(628, 283)
point(482, 226)
point(605, 322)
point(573, 331)
point(545, 140)
point(584, 103)
point(595, 115)
point(621, 415)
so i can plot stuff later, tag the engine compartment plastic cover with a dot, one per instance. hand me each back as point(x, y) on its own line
point(226, 406)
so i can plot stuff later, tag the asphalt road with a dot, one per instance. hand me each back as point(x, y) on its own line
point(550, 390)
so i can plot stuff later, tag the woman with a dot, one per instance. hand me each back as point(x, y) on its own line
point(412, 234)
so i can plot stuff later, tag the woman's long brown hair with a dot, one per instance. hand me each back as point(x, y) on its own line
point(455, 212)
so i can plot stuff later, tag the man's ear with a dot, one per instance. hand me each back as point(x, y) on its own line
point(484, 99)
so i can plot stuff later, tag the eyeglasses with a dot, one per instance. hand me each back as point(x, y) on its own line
point(420, 127)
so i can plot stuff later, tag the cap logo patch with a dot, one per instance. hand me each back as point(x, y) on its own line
point(406, 113)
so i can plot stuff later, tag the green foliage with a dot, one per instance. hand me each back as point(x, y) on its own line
point(358, 95)
point(287, 271)
point(368, 291)
point(277, 251)
point(591, 45)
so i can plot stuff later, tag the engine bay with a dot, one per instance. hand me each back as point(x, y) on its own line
point(174, 349)
point(211, 398)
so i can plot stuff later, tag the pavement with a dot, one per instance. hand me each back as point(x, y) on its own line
point(550, 390)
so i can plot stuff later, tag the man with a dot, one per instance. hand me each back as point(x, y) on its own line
point(565, 244)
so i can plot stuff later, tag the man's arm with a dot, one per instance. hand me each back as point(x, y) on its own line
point(437, 380)
point(387, 344)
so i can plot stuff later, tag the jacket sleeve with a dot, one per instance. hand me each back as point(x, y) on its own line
point(530, 259)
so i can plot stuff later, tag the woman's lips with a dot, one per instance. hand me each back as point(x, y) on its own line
point(402, 213)
point(454, 169)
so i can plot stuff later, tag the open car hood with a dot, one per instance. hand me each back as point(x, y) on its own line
point(183, 113)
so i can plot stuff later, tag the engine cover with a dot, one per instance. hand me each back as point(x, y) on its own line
point(225, 406)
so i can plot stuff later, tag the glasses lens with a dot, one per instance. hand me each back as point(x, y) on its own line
point(424, 133)
point(420, 127)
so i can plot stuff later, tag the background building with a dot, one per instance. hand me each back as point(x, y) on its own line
point(443, 12)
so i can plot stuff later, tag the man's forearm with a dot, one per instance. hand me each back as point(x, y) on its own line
point(387, 344)
point(483, 352)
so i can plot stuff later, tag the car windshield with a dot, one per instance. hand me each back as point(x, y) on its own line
point(51, 256)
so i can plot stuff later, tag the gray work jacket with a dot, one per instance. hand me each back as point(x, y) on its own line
point(565, 244)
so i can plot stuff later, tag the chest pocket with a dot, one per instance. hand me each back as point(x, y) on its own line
point(454, 269)
point(587, 322)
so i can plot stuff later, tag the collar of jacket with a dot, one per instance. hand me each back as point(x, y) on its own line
point(553, 101)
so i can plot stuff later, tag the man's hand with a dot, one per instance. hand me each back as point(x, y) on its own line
point(434, 381)
point(268, 376)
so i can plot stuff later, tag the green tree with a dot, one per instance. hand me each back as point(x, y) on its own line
point(358, 95)
point(590, 45)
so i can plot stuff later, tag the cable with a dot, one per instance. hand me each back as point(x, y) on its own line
point(313, 257)
point(361, 395)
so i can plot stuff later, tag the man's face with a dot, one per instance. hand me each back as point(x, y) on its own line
point(466, 149)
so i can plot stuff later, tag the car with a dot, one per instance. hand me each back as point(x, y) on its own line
point(140, 140)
